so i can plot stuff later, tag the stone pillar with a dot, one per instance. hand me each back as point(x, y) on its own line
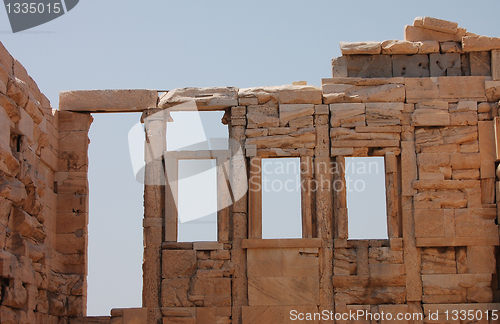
point(154, 206)
point(238, 218)
point(323, 216)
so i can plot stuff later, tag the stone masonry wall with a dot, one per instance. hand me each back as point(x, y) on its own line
point(43, 212)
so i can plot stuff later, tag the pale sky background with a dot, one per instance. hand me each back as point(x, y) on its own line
point(164, 45)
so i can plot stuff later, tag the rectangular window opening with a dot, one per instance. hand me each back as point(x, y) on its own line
point(197, 131)
point(281, 198)
point(197, 200)
point(366, 198)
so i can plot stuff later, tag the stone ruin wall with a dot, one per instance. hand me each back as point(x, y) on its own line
point(43, 203)
point(428, 105)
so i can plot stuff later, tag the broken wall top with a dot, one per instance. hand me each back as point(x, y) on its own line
point(431, 48)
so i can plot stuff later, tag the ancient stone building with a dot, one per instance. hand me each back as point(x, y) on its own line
point(428, 105)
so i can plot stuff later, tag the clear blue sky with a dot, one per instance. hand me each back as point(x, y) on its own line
point(170, 44)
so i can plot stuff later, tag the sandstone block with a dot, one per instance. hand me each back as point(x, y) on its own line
point(360, 48)
point(399, 47)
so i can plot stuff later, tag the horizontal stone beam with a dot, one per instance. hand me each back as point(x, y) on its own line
point(108, 101)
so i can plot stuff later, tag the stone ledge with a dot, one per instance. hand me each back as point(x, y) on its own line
point(280, 243)
point(107, 100)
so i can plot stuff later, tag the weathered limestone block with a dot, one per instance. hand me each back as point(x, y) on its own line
point(436, 24)
point(421, 89)
point(438, 261)
point(451, 47)
point(384, 114)
point(469, 224)
point(428, 47)
point(464, 118)
point(257, 132)
point(178, 263)
point(304, 135)
point(480, 43)
point(431, 113)
point(456, 288)
point(492, 90)
point(27, 225)
point(347, 114)
point(262, 116)
point(213, 287)
point(360, 48)
point(117, 100)
point(384, 255)
point(429, 222)
point(335, 93)
point(12, 189)
point(283, 291)
point(18, 91)
point(414, 66)
point(258, 96)
point(350, 134)
point(8, 163)
point(480, 63)
point(481, 259)
point(299, 94)
point(174, 292)
point(472, 87)
point(285, 94)
point(15, 294)
point(371, 295)
point(415, 34)
point(292, 112)
point(447, 64)
point(495, 64)
point(368, 66)
point(399, 47)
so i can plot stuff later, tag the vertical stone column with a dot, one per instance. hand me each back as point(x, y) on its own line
point(238, 217)
point(306, 170)
point(154, 206)
point(323, 216)
point(255, 199)
point(72, 198)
